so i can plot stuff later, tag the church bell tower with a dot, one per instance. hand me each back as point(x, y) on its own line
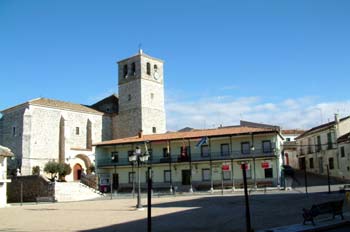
point(141, 96)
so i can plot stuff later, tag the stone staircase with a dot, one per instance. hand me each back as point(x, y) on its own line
point(75, 191)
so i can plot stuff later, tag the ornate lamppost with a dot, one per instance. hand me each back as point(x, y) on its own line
point(139, 158)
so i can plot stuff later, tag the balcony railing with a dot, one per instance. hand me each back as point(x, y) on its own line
point(178, 158)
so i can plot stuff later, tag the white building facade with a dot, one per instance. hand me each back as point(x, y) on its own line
point(318, 148)
point(43, 130)
point(179, 162)
point(289, 147)
point(5, 153)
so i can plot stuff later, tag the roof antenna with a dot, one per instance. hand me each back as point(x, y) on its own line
point(140, 49)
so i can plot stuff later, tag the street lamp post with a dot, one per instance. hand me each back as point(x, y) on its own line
point(138, 158)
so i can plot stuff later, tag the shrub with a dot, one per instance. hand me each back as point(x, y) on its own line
point(53, 168)
point(36, 170)
point(64, 170)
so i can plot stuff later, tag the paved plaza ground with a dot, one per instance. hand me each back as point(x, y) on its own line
point(180, 213)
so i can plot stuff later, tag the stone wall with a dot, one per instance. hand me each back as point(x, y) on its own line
point(33, 187)
point(45, 134)
point(141, 98)
point(10, 137)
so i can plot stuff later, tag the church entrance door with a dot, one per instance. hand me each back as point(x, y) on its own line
point(77, 171)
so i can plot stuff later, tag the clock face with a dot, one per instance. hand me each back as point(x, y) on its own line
point(156, 75)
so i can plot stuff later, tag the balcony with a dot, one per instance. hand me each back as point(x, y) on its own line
point(194, 157)
point(310, 150)
point(318, 147)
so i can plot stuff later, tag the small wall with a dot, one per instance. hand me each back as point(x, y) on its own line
point(33, 187)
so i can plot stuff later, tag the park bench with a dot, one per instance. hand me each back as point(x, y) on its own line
point(331, 207)
point(45, 199)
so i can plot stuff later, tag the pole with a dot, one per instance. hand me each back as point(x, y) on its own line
point(211, 168)
point(115, 176)
point(133, 180)
point(305, 180)
point(138, 206)
point(328, 180)
point(149, 200)
point(255, 185)
point(247, 211)
point(111, 186)
point(190, 160)
point(232, 176)
point(21, 193)
point(222, 182)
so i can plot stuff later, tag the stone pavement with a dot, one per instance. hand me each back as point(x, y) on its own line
point(180, 213)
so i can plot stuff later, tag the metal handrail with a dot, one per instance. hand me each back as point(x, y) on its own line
point(182, 158)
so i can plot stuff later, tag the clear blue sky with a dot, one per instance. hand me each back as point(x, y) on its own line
point(224, 53)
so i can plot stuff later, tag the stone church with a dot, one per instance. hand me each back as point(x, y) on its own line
point(42, 129)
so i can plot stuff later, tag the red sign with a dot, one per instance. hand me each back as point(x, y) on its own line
point(265, 165)
point(225, 167)
point(246, 166)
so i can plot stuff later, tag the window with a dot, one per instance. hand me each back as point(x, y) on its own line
point(14, 131)
point(288, 139)
point(245, 148)
point(167, 174)
point(133, 69)
point(329, 140)
point(225, 149)
point(309, 148)
point(131, 177)
point(154, 130)
point(206, 174)
point(152, 95)
point(342, 151)
point(311, 162)
point(77, 130)
point(148, 69)
point(114, 157)
point(227, 175)
point(331, 163)
point(125, 71)
point(129, 97)
point(205, 151)
point(266, 146)
point(165, 152)
point(319, 145)
point(155, 67)
point(184, 151)
point(268, 173)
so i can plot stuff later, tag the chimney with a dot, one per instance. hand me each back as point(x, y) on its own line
point(140, 134)
point(336, 118)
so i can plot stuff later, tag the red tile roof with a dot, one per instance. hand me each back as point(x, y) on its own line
point(190, 134)
point(292, 132)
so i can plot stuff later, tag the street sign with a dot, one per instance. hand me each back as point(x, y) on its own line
point(265, 165)
point(226, 167)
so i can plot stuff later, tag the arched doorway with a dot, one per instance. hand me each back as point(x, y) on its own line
point(86, 160)
point(77, 171)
